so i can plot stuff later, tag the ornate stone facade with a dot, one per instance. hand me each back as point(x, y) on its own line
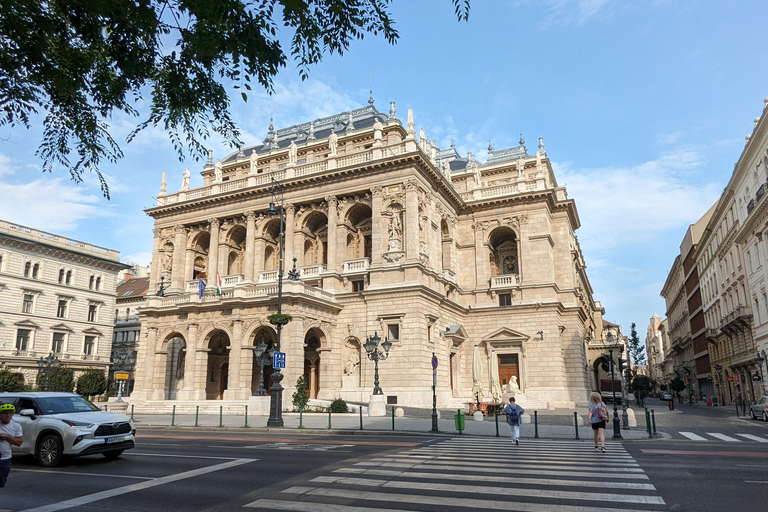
point(390, 235)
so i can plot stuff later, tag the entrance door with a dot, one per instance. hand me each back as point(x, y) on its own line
point(223, 380)
point(508, 367)
point(451, 360)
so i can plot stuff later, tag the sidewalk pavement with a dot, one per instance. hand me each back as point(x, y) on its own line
point(349, 423)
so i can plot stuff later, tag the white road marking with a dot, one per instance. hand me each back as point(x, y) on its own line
point(67, 473)
point(465, 503)
point(498, 466)
point(513, 491)
point(754, 438)
point(693, 437)
point(724, 437)
point(499, 479)
point(110, 493)
point(181, 456)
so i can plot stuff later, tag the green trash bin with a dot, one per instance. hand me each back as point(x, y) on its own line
point(458, 420)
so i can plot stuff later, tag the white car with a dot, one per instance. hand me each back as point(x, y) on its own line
point(57, 425)
point(759, 410)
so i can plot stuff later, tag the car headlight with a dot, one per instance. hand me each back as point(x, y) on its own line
point(80, 424)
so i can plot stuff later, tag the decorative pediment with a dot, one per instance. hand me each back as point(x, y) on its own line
point(61, 327)
point(27, 323)
point(506, 335)
point(454, 335)
point(94, 331)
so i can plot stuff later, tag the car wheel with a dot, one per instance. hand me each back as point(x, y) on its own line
point(113, 454)
point(765, 417)
point(49, 450)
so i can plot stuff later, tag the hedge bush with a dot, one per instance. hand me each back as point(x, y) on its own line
point(339, 405)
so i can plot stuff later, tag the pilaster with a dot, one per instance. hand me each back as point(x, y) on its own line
point(213, 251)
point(376, 220)
point(411, 231)
point(250, 232)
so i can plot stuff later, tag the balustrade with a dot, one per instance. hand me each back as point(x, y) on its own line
point(357, 265)
point(504, 281)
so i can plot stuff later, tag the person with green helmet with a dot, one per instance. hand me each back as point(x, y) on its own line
point(10, 434)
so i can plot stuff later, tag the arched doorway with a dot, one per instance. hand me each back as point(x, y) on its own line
point(217, 378)
point(313, 341)
point(503, 257)
point(235, 245)
point(358, 227)
point(176, 352)
point(268, 335)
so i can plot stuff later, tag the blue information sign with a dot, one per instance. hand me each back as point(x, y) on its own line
point(278, 360)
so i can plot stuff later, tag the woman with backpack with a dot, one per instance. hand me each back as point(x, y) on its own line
point(598, 415)
point(514, 415)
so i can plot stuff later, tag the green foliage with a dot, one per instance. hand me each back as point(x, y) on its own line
point(663, 387)
point(677, 384)
point(279, 318)
point(339, 405)
point(11, 382)
point(636, 350)
point(301, 396)
point(111, 390)
point(61, 379)
point(85, 62)
point(91, 383)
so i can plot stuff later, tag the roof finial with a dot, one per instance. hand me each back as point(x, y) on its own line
point(522, 142)
point(541, 143)
point(350, 123)
point(311, 134)
point(453, 144)
point(392, 110)
point(370, 91)
point(490, 146)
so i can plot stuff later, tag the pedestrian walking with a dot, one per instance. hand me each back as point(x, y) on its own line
point(598, 415)
point(10, 434)
point(514, 414)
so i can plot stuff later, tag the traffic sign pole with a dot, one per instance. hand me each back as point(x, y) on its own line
point(434, 393)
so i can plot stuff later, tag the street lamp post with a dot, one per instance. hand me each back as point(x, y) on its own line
point(375, 354)
point(720, 396)
point(760, 360)
point(276, 391)
point(47, 366)
point(616, 423)
point(262, 357)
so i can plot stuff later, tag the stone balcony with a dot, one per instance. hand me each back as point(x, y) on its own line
point(356, 266)
point(504, 281)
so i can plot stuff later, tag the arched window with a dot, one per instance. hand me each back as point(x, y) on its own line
point(98, 283)
point(35, 270)
point(69, 276)
point(90, 283)
point(27, 268)
point(61, 276)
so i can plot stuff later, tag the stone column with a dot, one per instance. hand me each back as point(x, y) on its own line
point(157, 266)
point(376, 236)
point(234, 386)
point(250, 232)
point(332, 232)
point(153, 392)
point(313, 380)
point(411, 223)
point(178, 271)
point(192, 380)
point(481, 258)
point(288, 250)
point(213, 252)
point(259, 257)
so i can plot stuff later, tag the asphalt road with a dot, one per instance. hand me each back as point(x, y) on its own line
point(190, 471)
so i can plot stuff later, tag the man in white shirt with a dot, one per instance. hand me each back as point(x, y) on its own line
point(10, 434)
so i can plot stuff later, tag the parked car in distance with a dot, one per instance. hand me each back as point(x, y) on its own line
point(759, 410)
point(57, 425)
point(667, 396)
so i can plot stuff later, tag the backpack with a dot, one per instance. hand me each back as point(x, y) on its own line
point(602, 412)
point(513, 416)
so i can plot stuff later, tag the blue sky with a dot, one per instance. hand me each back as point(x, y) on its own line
point(643, 107)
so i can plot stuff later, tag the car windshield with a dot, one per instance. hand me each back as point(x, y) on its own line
point(61, 404)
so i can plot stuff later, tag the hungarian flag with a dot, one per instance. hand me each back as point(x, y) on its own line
point(218, 284)
point(200, 287)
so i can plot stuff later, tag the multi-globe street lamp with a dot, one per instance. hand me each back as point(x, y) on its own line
point(263, 356)
point(47, 366)
point(375, 354)
point(276, 391)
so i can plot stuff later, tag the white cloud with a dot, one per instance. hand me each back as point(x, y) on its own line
point(576, 12)
point(619, 205)
point(49, 204)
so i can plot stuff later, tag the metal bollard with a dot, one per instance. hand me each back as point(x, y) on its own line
point(497, 423)
point(360, 408)
point(246, 416)
point(393, 418)
point(173, 416)
point(648, 423)
point(197, 414)
point(131, 412)
point(329, 418)
point(535, 424)
point(301, 417)
point(737, 409)
point(221, 415)
point(576, 423)
point(105, 407)
point(653, 421)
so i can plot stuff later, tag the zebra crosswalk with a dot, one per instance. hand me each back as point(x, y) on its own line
point(730, 438)
point(479, 474)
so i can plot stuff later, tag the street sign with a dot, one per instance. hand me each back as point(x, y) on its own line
point(755, 377)
point(121, 376)
point(434, 362)
point(730, 378)
point(278, 360)
point(693, 381)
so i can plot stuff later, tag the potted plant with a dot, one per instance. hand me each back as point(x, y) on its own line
point(279, 318)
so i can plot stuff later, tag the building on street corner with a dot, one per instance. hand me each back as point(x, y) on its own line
point(57, 296)
point(386, 234)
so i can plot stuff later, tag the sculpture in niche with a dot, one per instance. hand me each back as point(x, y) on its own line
point(352, 364)
point(494, 266)
point(167, 257)
point(513, 383)
point(293, 153)
point(185, 179)
point(353, 358)
point(217, 171)
point(395, 227)
point(254, 161)
point(332, 142)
